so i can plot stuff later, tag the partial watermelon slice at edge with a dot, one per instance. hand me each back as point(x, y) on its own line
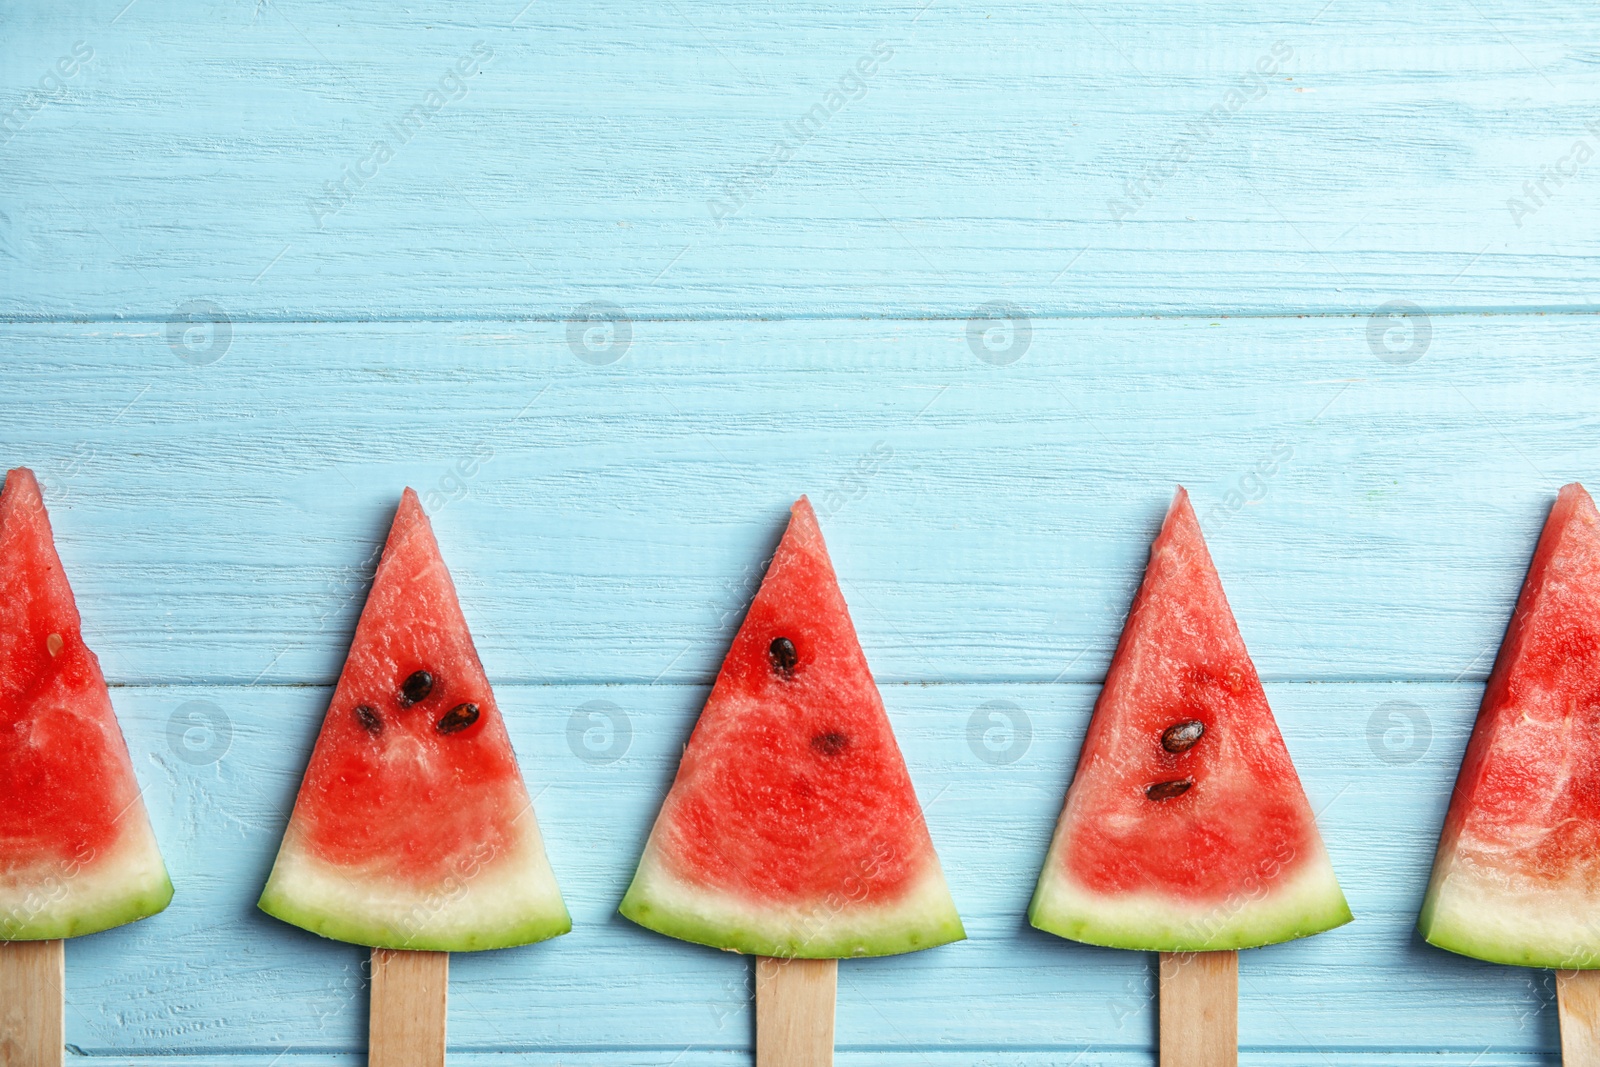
point(413, 828)
point(77, 853)
point(1231, 860)
point(792, 828)
point(1516, 878)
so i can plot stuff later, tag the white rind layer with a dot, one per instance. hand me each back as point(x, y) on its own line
point(1479, 909)
point(833, 927)
point(488, 901)
point(1305, 901)
point(74, 896)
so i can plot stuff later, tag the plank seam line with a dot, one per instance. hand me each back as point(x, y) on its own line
point(1036, 316)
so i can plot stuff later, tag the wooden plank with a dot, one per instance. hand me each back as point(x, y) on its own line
point(1143, 164)
point(32, 980)
point(794, 1012)
point(610, 538)
point(1578, 997)
point(1199, 1009)
point(410, 991)
point(988, 523)
point(212, 974)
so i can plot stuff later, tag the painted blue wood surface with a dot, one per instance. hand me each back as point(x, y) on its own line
point(190, 157)
point(224, 372)
point(1373, 521)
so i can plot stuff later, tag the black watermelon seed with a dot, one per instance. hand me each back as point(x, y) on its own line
point(367, 716)
point(1182, 736)
point(783, 656)
point(831, 743)
point(457, 718)
point(415, 689)
point(1168, 790)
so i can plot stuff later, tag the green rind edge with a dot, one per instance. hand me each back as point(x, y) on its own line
point(340, 927)
point(743, 937)
point(131, 908)
point(1253, 929)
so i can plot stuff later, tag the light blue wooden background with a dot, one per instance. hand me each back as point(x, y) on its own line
point(1371, 488)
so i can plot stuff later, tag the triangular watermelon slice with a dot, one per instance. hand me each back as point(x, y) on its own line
point(76, 850)
point(792, 829)
point(413, 829)
point(1517, 875)
point(1185, 828)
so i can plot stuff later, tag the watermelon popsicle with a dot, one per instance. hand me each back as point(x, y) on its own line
point(412, 832)
point(77, 853)
point(792, 831)
point(1185, 830)
point(1516, 878)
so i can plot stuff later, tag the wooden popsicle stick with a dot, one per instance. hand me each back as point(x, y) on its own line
point(406, 1020)
point(1578, 1001)
point(32, 1027)
point(794, 1012)
point(1199, 1009)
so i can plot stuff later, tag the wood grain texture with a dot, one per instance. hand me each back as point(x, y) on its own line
point(1370, 521)
point(410, 997)
point(32, 1027)
point(1578, 999)
point(223, 373)
point(1199, 1009)
point(983, 160)
point(794, 1012)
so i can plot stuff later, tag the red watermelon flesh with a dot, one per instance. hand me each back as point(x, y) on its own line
point(1517, 875)
point(792, 828)
point(413, 828)
point(76, 850)
point(1185, 827)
